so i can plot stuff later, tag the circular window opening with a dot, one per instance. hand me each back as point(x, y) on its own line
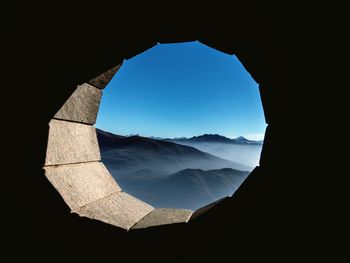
point(179, 128)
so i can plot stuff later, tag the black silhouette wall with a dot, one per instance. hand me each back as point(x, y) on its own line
point(58, 46)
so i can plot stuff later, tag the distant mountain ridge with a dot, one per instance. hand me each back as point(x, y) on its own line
point(216, 138)
point(138, 155)
point(199, 138)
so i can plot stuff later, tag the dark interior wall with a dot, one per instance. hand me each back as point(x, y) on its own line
point(54, 47)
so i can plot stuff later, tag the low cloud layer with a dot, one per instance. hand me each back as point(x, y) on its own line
point(245, 154)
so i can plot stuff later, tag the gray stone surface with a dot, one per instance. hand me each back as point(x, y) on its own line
point(82, 105)
point(204, 209)
point(70, 142)
point(164, 216)
point(119, 209)
point(83, 183)
point(102, 80)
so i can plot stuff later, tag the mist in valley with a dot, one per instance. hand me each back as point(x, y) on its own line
point(131, 162)
point(245, 154)
point(169, 175)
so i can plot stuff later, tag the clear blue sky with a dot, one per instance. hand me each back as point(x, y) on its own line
point(185, 89)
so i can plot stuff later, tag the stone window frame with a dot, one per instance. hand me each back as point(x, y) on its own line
point(73, 166)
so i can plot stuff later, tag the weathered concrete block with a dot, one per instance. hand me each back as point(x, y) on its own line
point(82, 105)
point(164, 216)
point(119, 209)
point(70, 142)
point(83, 183)
point(102, 80)
point(204, 209)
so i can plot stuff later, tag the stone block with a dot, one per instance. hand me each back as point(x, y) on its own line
point(119, 209)
point(102, 80)
point(83, 183)
point(82, 106)
point(70, 142)
point(204, 209)
point(164, 216)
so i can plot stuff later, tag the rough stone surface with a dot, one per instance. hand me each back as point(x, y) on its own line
point(164, 216)
point(102, 80)
point(82, 105)
point(70, 142)
point(83, 183)
point(204, 209)
point(119, 209)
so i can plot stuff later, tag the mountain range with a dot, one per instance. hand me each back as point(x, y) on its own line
point(168, 174)
point(215, 138)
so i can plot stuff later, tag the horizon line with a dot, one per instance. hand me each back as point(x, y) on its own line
point(182, 137)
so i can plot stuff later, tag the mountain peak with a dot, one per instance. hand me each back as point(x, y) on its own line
point(210, 137)
point(241, 138)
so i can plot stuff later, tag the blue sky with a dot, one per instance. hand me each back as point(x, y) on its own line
point(185, 89)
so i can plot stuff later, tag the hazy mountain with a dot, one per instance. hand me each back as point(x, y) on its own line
point(210, 138)
point(167, 174)
point(140, 156)
point(215, 138)
point(188, 188)
point(240, 149)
